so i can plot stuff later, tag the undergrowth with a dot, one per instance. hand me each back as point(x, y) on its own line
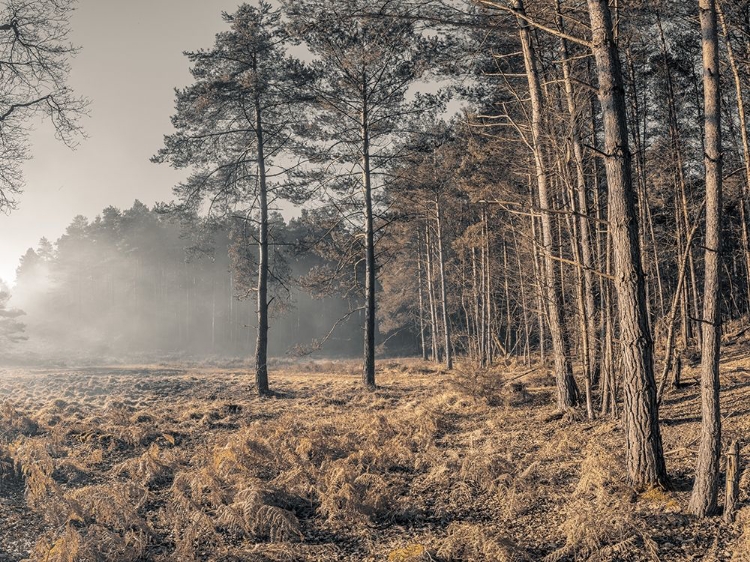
point(430, 466)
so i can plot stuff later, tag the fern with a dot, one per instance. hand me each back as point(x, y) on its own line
point(275, 523)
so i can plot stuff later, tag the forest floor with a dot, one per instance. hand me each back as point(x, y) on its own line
point(182, 463)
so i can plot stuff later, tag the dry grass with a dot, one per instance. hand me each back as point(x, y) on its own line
point(601, 519)
point(185, 464)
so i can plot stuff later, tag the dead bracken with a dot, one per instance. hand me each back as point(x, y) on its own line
point(423, 468)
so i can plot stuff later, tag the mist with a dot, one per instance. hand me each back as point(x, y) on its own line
point(141, 286)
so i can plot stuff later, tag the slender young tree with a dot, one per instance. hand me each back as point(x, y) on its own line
point(706, 487)
point(368, 59)
point(233, 125)
point(580, 206)
point(567, 390)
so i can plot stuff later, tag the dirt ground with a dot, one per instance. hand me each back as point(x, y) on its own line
point(183, 463)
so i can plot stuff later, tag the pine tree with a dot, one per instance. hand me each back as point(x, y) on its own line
point(234, 125)
point(706, 487)
point(368, 59)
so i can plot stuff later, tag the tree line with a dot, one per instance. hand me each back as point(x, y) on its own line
point(141, 285)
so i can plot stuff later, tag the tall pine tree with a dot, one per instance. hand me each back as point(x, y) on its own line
point(369, 56)
point(234, 125)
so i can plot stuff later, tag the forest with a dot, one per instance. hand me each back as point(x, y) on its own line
point(444, 280)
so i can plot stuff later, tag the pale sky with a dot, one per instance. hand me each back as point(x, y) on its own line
point(130, 62)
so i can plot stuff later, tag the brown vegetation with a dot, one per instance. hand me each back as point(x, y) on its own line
point(185, 464)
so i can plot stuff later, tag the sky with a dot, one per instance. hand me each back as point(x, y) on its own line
point(129, 64)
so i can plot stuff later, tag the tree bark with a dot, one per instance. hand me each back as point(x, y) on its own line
point(478, 334)
point(583, 313)
point(488, 288)
point(677, 373)
point(524, 304)
point(705, 489)
point(508, 314)
point(541, 310)
point(484, 346)
point(609, 384)
point(644, 453)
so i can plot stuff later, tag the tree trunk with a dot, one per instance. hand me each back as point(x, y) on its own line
point(443, 286)
point(705, 489)
point(541, 310)
point(733, 482)
point(484, 319)
point(231, 309)
point(677, 373)
point(475, 302)
point(583, 314)
point(644, 454)
point(508, 314)
point(488, 287)
point(368, 371)
point(422, 341)
point(261, 347)
point(431, 296)
point(524, 304)
point(567, 391)
point(609, 384)
point(572, 222)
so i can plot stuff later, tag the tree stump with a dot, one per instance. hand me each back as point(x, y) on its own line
point(733, 481)
point(677, 372)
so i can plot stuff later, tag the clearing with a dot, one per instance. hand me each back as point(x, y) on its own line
point(182, 463)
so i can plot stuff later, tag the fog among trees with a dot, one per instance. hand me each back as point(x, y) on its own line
point(132, 285)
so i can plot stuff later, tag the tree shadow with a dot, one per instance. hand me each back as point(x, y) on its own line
point(679, 421)
point(681, 482)
point(275, 394)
